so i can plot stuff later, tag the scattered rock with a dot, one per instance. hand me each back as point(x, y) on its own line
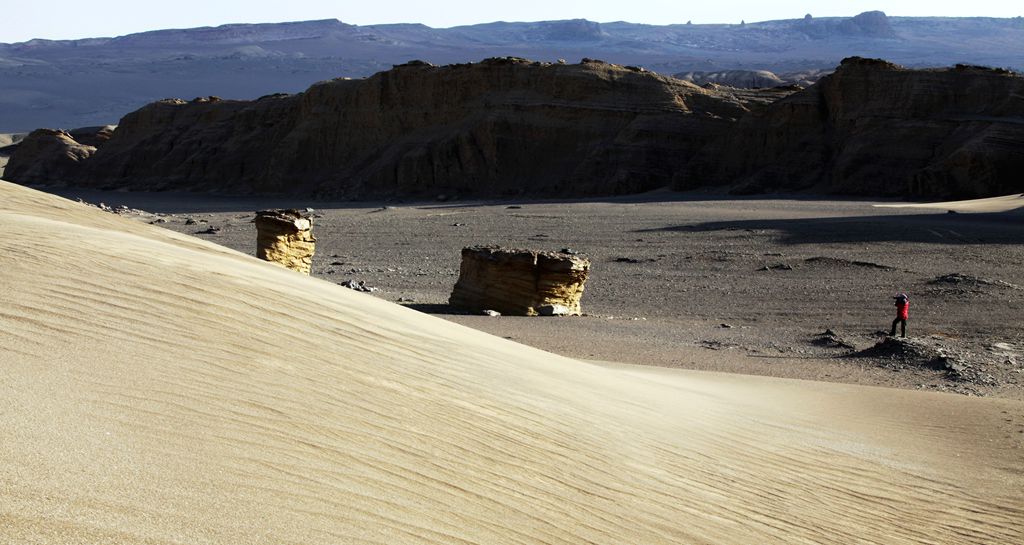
point(715, 345)
point(626, 260)
point(959, 279)
point(190, 221)
point(491, 313)
point(212, 230)
point(568, 251)
point(725, 326)
point(845, 262)
point(358, 286)
point(777, 267)
point(832, 339)
point(554, 310)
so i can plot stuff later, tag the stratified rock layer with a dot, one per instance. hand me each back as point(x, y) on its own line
point(47, 156)
point(499, 127)
point(874, 128)
point(285, 237)
point(520, 282)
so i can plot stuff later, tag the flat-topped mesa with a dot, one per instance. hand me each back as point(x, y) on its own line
point(520, 282)
point(285, 237)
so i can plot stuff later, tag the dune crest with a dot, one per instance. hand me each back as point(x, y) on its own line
point(161, 389)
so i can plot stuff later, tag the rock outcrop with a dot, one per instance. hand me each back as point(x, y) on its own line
point(47, 156)
point(520, 282)
point(92, 136)
point(285, 237)
point(875, 128)
point(503, 126)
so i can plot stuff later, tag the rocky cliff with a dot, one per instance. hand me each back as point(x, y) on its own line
point(875, 128)
point(500, 127)
point(46, 156)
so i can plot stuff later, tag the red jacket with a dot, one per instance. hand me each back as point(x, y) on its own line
point(902, 309)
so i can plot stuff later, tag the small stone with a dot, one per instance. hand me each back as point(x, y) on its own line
point(553, 310)
point(725, 326)
point(190, 221)
point(491, 313)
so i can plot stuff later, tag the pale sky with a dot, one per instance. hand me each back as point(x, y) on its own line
point(67, 19)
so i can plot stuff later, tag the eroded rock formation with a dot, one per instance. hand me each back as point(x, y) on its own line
point(875, 128)
point(520, 282)
point(93, 136)
point(47, 156)
point(285, 237)
point(503, 126)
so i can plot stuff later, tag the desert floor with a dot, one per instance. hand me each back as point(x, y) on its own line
point(160, 388)
point(697, 281)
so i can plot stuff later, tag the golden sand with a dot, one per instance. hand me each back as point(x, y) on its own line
point(157, 388)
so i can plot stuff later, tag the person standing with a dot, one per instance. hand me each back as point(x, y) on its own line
point(902, 313)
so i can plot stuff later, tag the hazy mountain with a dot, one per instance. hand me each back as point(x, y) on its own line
point(94, 81)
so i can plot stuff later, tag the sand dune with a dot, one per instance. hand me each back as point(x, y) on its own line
point(156, 388)
point(1006, 203)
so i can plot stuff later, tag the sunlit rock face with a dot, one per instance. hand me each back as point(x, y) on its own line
point(520, 282)
point(285, 237)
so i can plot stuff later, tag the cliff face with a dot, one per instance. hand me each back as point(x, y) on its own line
point(874, 128)
point(500, 127)
point(47, 156)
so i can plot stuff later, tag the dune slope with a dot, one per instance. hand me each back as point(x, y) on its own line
point(156, 388)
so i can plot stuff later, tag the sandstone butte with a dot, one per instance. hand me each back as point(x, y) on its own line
point(503, 126)
point(285, 237)
point(875, 128)
point(520, 282)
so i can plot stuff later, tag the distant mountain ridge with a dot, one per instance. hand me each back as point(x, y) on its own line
point(67, 83)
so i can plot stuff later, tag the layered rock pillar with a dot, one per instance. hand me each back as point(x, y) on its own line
point(285, 237)
point(520, 282)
